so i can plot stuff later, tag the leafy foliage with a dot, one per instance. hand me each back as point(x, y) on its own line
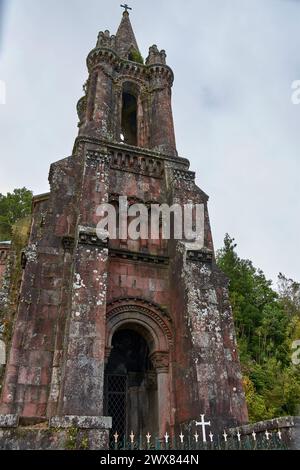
point(135, 56)
point(267, 322)
point(13, 206)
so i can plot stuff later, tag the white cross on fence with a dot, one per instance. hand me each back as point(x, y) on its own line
point(203, 424)
point(184, 438)
point(268, 434)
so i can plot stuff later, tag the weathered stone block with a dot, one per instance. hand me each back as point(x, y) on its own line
point(81, 422)
point(9, 421)
point(26, 438)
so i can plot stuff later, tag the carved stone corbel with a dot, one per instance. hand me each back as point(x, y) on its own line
point(160, 361)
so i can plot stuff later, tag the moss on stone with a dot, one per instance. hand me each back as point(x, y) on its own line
point(136, 56)
point(9, 294)
point(84, 443)
point(72, 436)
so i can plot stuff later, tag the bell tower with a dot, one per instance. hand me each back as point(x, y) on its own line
point(113, 335)
point(126, 99)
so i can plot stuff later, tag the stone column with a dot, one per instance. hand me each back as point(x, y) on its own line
point(160, 361)
point(98, 118)
point(84, 359)
point(162, 134)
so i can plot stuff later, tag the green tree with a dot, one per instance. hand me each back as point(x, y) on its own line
point(267, 322)
point(13, 206)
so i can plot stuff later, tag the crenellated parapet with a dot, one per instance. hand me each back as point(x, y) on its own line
point(115, 65)
point(106, 40)
point(155, 56)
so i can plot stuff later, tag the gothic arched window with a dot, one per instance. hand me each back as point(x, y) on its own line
point(129, 122)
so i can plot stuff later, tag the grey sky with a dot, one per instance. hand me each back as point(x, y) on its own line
point(234, 63)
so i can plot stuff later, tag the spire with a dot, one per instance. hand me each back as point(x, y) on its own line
point(125, 38)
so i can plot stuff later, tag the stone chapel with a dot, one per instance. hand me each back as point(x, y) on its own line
point(120, 335)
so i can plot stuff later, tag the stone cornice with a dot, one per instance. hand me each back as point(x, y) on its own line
point(138, 256)
point(204, 256)
point(180, 161)
point(40, 198)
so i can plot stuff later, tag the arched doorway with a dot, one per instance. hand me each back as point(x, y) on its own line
point(131, 385)
point(136, 327)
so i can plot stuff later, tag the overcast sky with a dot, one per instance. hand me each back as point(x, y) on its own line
point(234, 63)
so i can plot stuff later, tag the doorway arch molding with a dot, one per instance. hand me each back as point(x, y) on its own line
point(143, 316)
point(154, 324)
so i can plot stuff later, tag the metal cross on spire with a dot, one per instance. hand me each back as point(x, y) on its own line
point(126, 7)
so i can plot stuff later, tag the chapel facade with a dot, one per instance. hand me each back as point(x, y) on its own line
point(140, 331)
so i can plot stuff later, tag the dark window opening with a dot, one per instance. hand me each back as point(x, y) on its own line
point(130, 355)
point(129, 119)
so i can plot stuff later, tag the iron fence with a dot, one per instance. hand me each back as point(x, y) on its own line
point(262, 441)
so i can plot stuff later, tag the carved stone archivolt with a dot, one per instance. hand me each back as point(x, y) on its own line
point(140, 82)
point(147, 319)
